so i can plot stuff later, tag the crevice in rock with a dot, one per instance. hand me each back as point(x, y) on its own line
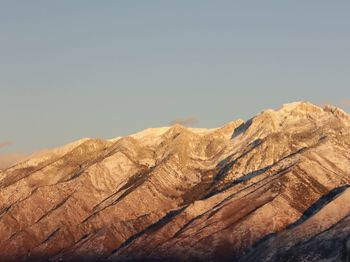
point(319, 204)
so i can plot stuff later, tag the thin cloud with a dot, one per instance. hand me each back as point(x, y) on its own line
point(5, 143)
point(8, 160)
point(324, 103)
point(185, 122)
point(342, 103)
point(345, 103)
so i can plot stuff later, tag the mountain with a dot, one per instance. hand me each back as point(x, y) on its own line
point(274, 188)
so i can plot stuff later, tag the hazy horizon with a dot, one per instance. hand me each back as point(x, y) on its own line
point(92, 69)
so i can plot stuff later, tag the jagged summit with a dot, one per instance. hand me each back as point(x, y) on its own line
point(270, 188)
point(300, 106)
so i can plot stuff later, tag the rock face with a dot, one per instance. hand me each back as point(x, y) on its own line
point(274, 188)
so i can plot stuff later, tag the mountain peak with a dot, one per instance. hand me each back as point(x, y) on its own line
point(300, 106)
point(238, 192)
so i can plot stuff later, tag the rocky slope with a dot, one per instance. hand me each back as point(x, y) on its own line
point(274, 188)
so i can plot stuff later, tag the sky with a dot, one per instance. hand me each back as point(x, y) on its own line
point(74, 69)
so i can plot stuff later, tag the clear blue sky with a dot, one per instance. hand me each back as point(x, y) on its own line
point(73, 69)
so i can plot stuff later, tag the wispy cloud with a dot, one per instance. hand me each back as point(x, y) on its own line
point(342, 104)
point(345, 103)
point(8, 160)
point(5, 143)
point(185, 122)
point(324, 103)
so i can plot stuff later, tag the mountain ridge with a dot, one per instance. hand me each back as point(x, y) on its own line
point(185, 194)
